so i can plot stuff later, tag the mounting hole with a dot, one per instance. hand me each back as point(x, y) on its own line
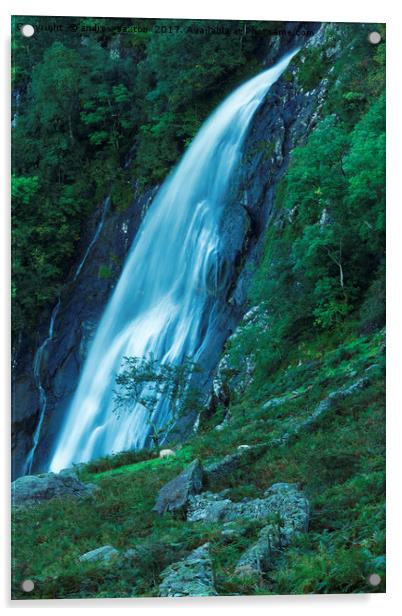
point(27, 30)
point(27, 585)
point(374, 579)
point(374, 37)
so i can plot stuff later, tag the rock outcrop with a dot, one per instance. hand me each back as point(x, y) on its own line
point(174, 496)
point(190, 577)
point(32, 489)
point(324, 407)
point(291, 509)
point(210, 507)
point(106, 553)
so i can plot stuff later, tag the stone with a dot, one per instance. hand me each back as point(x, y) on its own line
point(166, 453)
point(210, 507)
point(291, 508)
point(224, 423)
point(190, 577)
point(174, 496)
point(274, 402)
point(73, 470)
point(327, 404)
point(106, 553)
point(232, 531)
point(32, 489)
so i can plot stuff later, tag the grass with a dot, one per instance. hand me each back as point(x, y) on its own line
point(339, 463)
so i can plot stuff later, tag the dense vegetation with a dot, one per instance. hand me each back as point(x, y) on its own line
point(324, 258)
point(100, 112)
point(318, 325)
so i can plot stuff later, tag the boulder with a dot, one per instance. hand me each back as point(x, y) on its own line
point(209, 507)
point(174, 496)
point(32, 489)
point(106, 553)
point(281, 498)
point(190, 577)
point(289, 510)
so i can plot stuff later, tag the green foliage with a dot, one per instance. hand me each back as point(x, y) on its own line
point(328, 240)
point(104, 272)
point(150, 383)
point(95, 110)
point(312, 68)
point(372, 310)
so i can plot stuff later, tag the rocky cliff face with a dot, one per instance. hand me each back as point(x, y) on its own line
point(282, 122)
point(81, 305)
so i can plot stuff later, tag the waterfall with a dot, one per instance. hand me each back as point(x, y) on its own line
point(170, 291)
point(37, 365)
point(38, 358)
point(105, 209)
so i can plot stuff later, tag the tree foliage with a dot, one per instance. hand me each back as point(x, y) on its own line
point(151, 383)
point(324, 255)
point(96, 110)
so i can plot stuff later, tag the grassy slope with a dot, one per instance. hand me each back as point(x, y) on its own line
point(339, 463)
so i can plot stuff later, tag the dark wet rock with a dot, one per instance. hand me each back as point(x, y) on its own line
point(174, 496)
point(82, 302)
point(106, 553)
point(190, 577)
point(32, 489)
point(289, 510)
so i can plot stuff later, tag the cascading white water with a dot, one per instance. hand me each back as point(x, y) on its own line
point(165, 302)
point(37, 363)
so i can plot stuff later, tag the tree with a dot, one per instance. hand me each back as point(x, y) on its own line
point(151, 383)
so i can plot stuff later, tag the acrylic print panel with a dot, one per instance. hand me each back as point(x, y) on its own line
point(198, 307)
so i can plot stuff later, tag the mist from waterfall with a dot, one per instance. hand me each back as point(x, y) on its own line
point(168, 296)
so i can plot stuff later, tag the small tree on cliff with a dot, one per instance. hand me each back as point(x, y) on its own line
point(149, 382)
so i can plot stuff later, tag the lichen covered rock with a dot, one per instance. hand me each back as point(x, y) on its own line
point(190, 577)
point(32, 489)
point(106, 553)
point(289, 513)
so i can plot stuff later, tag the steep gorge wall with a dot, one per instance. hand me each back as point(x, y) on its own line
point(282, 122)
